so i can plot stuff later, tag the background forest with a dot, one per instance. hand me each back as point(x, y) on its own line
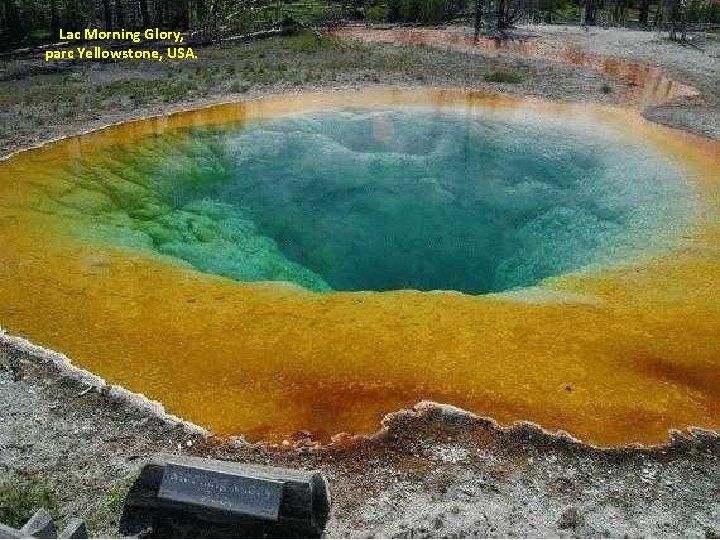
point(33, 22)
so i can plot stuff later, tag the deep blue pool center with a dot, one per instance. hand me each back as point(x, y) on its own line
point(407, 198)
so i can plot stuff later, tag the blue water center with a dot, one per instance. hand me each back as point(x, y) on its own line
point(403, 199)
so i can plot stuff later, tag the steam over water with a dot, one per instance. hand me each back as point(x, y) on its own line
point(396, 199)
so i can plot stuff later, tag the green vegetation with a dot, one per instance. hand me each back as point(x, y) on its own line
point(306, 41)
point(424, 11)
point(305, 11)
point(20, 498)
point(143, 91)
point(503, 76)
point(110, 507)
point(567, 11)
point(376, 14)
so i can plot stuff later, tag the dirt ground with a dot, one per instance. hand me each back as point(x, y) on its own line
point(431, 471)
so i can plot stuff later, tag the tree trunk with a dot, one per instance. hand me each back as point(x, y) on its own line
point(108, 15)
point(161, 13)
point(15, 23)
point(644, 13)
point(659, 16)
point(145, 13)
point(619, 12)
point(590, 12)
point(478, 18)
point(676, 15)
point(501, 14)
point(119, 14)
point(200, 14)
point(54, 20)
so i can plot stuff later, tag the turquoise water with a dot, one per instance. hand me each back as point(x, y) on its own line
point(389, 199)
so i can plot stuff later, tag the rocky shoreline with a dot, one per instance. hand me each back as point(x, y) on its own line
point(431, 471)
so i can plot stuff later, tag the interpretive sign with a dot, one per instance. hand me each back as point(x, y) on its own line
point(190, 497)
point(256, 497)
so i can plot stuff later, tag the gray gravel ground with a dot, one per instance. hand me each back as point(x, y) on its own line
point(696, 64)
point(431, 472)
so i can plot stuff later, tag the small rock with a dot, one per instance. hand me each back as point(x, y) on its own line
point(9, 532)
point(40, 525)
point(84, 391)
point(74, 529)
point(571, 518)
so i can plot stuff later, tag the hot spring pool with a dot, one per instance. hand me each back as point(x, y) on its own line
point(263, 268)
point(379, 200)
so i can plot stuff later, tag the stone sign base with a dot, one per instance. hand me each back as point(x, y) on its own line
point(200, 498)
